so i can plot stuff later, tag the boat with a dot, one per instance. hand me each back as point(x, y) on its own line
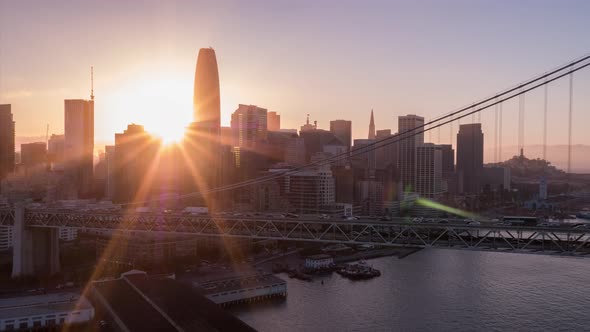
point(358, 272)
point(584, 214)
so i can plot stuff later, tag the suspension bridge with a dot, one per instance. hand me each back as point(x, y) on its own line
point(39, 228)
point(36, 244)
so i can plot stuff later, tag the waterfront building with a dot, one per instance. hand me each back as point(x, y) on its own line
point(138, 302)
point(236, 288)
point(44, 311)
point(68, 233)
point(310, 191)
point(319, 261)
point(5, 237)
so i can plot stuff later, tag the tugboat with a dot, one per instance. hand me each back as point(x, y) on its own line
point(584, 214)
point(358, 272)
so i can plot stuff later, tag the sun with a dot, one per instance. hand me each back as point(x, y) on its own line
point(168, 135)
point(161, 101)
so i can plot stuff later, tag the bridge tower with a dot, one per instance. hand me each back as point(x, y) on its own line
point(35, 250)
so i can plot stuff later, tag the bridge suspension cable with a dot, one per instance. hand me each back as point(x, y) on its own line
point(445, 119)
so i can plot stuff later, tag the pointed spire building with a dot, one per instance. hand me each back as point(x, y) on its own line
point(372, 126)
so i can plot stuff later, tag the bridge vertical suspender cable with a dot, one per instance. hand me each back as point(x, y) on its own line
point(430, 132)
point(520, 124)
point(496, 134)
point(451, 134)
point(545, 123)
point(500, 132)
point(569, 131)
point(479, 117)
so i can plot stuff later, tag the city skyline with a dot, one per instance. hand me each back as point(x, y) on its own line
point(303, 165)
point(135, 92)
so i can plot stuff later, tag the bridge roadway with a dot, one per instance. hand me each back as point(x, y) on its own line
point(398, 232)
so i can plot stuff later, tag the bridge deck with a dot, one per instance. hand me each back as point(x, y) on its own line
point(398, 232)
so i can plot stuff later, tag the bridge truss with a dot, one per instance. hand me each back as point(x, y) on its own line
point(487, 236)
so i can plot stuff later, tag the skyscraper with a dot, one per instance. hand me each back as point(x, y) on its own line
point(274, 121)
point(428, 170)
point(202, 137)
point(6, 141)
point(470, 157)
point(33, 154)
point(249, 126)
point(206, 100)
point(56, 151)
point(449, 178)
point(342, 129)
point(448, 160)
point(386, 151)
point(134, 156)
point(372, 127)
point(409, 140)
point(79, 143)
point(364, 157)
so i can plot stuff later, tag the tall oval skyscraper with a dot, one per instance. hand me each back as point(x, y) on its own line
point(206, 101)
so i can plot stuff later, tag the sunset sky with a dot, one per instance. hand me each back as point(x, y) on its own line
point(332, 59)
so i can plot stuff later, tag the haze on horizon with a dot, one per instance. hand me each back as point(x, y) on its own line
point(336, 59)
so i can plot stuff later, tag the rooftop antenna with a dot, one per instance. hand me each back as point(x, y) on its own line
point(92, 83)
point(47, 135)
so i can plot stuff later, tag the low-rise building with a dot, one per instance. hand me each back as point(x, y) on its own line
point(319, 261)
point(138, 302)
point(5, 237)
point(240, 288)
point(44, 311)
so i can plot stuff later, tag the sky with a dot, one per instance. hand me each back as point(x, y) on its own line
point(330, 59)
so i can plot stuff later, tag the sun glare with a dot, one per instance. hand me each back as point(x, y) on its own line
point(160, 100)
